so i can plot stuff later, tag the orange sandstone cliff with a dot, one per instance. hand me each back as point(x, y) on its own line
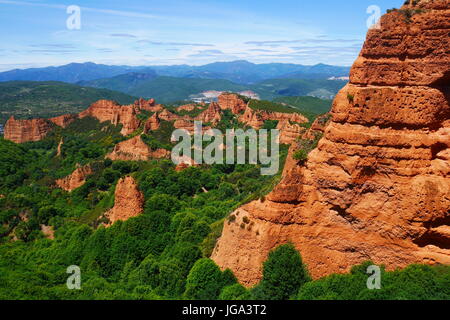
point(105, 110)
point(75, 180)
point(136, 150)
point(128, 203)
point(377, 187)
point(20, 131)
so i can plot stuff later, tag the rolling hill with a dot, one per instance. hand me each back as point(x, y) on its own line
point(169, 89)
point(25, 99)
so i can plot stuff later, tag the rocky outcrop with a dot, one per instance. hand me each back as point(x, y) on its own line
point(21, 131)
point(255, 118)
point(211, 115)
point(76, 179)
point(105, 110)
point(148, 105)
point(377, 187)
point(289, 132)
point(128, 203)
point(152, 124)
point(187, 107)
point(231, 101)
point(166, 115)
point(136, 150)
point(64, 121)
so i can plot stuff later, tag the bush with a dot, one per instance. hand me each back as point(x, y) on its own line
point(205, 281)
point(283, 274)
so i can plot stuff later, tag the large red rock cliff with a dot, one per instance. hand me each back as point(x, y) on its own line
point(105, 110)
point(377, 187)
point(20, 131)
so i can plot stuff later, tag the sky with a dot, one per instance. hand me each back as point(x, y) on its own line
point(38, 33)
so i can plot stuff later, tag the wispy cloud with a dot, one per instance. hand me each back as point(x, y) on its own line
point(187, 44)
point(122, 35)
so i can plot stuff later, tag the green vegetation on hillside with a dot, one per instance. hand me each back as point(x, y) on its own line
point(27, 99)
point(147, 257)
point(310, 107)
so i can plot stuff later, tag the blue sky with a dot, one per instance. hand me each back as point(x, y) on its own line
point(146, 32)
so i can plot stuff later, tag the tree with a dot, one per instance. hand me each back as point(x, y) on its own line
point(205, 281)
point(283, 274)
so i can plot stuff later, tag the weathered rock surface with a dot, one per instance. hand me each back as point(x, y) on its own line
point(153, 123)
point(377, 187)
point(76, 179)
point(256, 118)
point(230, 101)
point(128, 203)
point(21, 131)
point(64, 120)
point(136, 150)
point(105, 110)
point(211, 115)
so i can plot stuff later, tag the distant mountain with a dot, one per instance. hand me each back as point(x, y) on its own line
point(169, 89)
point(245, 72)
point(241, 72)
point(123, 83)
point(27, 99)
point(163, 89)
point(70, 73)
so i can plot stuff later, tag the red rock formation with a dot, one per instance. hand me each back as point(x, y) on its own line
point(187, 107)
point(105, 110)
point(377, 187)
point(256, 118)
point(289, 133)
point(152, 123)
point(230, 101)
point(166, 115)
point(76, 179)
point(148, 105)
point(252, 118)
point(185, 162)
point(128, 203)
point(20, 131)
point(212, 114)
point(64, 120)
point(136, 150)
point(59, 149)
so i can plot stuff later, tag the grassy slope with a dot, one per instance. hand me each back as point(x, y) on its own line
point(25, 99)
point(271, 89)
point(309, 106)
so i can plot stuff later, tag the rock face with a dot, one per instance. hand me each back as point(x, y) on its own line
point(256, 118)
point(75, 180)
point(148, 105)
point(152, 123)
point(212, 114)
point(128, 203)
point(377, 187)
point(105, 110)
point(136, 150)
point(20, 131)
point(230, 101)
point(64, 121)
point(289, 132)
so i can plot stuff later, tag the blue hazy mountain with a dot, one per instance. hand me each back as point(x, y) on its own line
point(241, 72)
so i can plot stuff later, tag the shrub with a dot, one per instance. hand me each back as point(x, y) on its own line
point(283, 274)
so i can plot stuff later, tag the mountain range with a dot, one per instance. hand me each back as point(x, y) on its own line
point(241, 72)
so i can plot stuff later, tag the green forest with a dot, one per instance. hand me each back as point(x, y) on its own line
point(163, 253)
